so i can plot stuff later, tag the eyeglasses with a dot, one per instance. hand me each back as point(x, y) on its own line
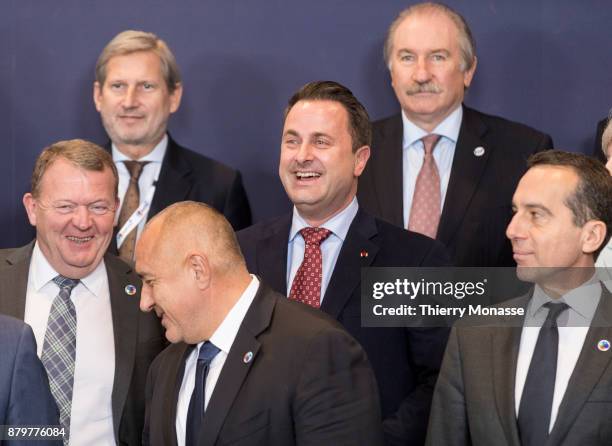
point(64, 208)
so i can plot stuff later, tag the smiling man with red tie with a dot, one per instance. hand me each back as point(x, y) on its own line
point(315, 254)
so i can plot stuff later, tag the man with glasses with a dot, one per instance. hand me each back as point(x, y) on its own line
point(82, 304)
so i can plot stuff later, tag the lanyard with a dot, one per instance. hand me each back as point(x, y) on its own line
point(136, 217)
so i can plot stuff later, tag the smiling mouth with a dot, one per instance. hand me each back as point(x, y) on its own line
point(307, 175)
point(79, 240)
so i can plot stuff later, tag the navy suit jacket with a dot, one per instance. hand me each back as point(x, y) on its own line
point(187, 175)
point(25, 398)
point(477, 207)
point(405, 360)
point(307, 383)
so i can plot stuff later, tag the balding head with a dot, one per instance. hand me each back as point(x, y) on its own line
point(191, 226)
point(192, 270)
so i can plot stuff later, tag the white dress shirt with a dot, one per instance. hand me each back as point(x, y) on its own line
point(148, 176)
point(330, 248)
point(223, 338)
point(91, 419)
point(414, 151)
point(573, 325)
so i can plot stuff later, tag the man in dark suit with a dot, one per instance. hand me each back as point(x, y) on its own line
point(325, 146)
point(25, 398)
point(476, 159)
point(82, 304)
point(246, 367)
point(544, 378)
point(137, 88)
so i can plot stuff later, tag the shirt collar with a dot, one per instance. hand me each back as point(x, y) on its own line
point(226, 332)
point(339, 224)
point(155, 156)
point(583, 300)
point(42, 273)
point(449, 128)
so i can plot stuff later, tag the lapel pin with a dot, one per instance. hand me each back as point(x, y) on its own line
point(130, 290)
point(603, 345)
point(479, 151)
point(248, 356)
point(363, 254)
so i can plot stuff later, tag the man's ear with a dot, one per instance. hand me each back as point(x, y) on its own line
point(97, 94)
point(468, 75)
point(362, 155)
point(175, 97)
point(29, 202)
point(200, 269)
point(593, 235)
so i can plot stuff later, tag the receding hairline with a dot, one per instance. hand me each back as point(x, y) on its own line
point(465, 39)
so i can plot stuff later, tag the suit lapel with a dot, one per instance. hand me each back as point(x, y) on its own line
point(172, 184)
point(14, 281)
point(588, 370)
point(174, 371)
point(465, 174)
point(388, 184)
point(347, 271)
point(505, 342)
point(272, 254)
point(124, 309)
point(236, 369)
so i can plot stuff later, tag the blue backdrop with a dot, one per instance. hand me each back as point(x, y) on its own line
point(545, 63)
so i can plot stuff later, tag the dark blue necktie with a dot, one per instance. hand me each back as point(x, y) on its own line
point(537, 398)
point(195, 414)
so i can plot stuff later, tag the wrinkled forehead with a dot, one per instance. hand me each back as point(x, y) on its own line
point(65, 180)
point(438, 24)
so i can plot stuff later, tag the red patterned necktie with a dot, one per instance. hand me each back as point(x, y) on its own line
point(425, 211)
point(306, 287)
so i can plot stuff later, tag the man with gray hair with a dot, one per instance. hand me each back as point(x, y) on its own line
point(439, 167)
point(138, 86)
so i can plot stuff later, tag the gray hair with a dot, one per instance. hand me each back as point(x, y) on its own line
point(466, 40)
